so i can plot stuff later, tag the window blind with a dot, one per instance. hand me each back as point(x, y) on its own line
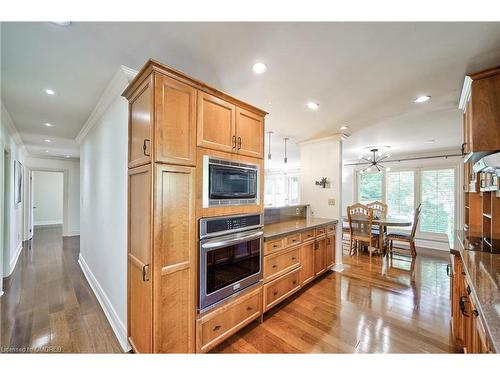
point(401, 195)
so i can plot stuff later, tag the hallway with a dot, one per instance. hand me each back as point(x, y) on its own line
point(48, 306)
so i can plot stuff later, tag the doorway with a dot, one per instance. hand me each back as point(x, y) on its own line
point(47, 197)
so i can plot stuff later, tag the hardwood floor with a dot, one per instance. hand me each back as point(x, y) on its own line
point(48, 305)
point(382, 306)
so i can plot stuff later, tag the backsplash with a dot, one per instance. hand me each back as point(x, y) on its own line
point(277, 214)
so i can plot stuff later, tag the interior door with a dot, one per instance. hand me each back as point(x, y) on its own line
point(140, 309)
point(249, 133)
point(307, 272)
point(319, 256)
point(215, 123)
point(141, 117)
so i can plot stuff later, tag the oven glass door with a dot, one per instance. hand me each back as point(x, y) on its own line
point(231, 264)
point(232, 182)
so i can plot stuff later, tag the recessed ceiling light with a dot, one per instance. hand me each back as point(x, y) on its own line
point(50, 92)
point(388, 169)
point(61, 23)
point(422, 99)
point(46, 150)
point(48, 124)
point(67, 156)
point(47, 140)
point(345, 127)
point(431, 141)
point(259, 68)
point(313, 106)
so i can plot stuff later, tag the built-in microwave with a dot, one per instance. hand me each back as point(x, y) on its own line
point(229, 182)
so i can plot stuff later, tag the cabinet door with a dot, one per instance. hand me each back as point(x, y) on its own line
point(484, 108)
point(307, 262)
point(175, 129)
point(330, 251)
point(216, 123)
point(174, 260)
point(140, 124)
point(139, 260)
point(249, 133)
point(319, 256)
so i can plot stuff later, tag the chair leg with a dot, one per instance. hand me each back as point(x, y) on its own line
point(413, 249)
point(390, 247)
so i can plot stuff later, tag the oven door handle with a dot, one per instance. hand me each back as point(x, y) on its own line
point(232, 241)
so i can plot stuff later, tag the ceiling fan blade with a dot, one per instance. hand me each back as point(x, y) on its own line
point(365, 159)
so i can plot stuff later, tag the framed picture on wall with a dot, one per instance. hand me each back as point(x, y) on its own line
point(18, 182)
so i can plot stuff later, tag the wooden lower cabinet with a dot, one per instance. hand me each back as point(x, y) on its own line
point(320, 256)
point(307, 262)
point(330, 251)
point(281, 262)
point(280, 288)
point(467, 325)
point(220, 323)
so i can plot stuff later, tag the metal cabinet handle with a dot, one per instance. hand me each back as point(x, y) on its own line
point(239, 143)
point(448, 269)
point(275, 246)
point(275, 293)
point(274, 266)
point(234, 141)
point(145, 272)
point(249, 308)
point(216, 328)
point(462, 306)
point(468, 290)
point(294, 282)
point(145, 147)
point(294, 258)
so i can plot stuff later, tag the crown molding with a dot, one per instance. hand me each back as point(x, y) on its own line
point(12, 130)
point(466, 91)
point(114, 90)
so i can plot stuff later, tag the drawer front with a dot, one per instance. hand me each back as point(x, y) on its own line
point(281, 262)
point(320, 231)
point(309, 235)
point(279, 289)
point(216, 326)
point(272, 246)
point(331, 228)
point(293, 239)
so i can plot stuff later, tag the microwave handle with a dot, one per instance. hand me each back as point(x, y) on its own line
point(217, 244)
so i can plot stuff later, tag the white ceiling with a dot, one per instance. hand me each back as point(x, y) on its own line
point(362, 74)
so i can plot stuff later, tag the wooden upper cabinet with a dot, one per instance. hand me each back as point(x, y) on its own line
point(140, 124)
point(249, 133)
point(175, 130)
point(216, 123)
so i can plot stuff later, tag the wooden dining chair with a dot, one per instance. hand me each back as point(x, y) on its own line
point(360, 228)
point(379, 209)
point(405, 236)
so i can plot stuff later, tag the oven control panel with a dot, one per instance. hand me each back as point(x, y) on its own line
point(212, 226)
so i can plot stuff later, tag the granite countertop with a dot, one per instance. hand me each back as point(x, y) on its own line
point(283, 228)
point(483, 271)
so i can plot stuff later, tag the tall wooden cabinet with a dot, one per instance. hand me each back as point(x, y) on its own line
point(172, 117)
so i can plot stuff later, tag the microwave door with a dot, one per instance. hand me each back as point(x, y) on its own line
point(232, 183)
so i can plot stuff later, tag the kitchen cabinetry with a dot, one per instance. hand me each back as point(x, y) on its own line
point(467, 325)
point(320, 256)
point(481, 107)
point(307, 260)
point(165, 108)
point(225, 127)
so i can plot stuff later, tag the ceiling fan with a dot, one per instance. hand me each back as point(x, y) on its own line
point(374, 161)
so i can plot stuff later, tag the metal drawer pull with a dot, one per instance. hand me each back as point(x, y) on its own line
point(275, 245)
point(462, 306)
point(274, 266)
point(275, 293)
point(239, 143)
point(234, 141)
point(216, 328)
point(293, 258)
point(144, 147)
point(249, 308)
point(294, 282)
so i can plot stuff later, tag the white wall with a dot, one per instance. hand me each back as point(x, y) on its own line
point(12, 213)
point(71, 204)
point(47, 197)
point(323, 158)
point(103, 240)
point(350, 188)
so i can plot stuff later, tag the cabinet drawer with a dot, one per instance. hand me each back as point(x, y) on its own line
point(331, 228)
point(272, 246)
point(320, 231)
point(280, 263)
point(309, 235)
point(221, 323)
point(294, 239)
point(280, 288)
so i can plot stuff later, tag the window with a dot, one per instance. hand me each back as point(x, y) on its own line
point(282, 189)
point(401, 195)
point(438, 201)
point(370, 187)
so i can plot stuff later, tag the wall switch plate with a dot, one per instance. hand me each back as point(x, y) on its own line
point(331, 202)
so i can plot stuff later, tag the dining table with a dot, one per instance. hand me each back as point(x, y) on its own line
point(384, 223)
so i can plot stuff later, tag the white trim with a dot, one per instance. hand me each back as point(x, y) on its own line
point(71, 233)
point(47, 222)
point(466, 92)
point(335, 137)
point(116, 324)
point(14, 260)
point(11, 128)
point(114, 90)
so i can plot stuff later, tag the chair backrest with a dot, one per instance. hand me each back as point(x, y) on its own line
point(416, 217)
point(379, 209)
point(360, 220)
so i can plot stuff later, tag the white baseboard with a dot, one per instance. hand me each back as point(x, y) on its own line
point(71, 233)
point(13, 261)
point(113, 319)
point(47, 222)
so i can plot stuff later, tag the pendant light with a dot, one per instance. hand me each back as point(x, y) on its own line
point(269, 145)
point(285, 159)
